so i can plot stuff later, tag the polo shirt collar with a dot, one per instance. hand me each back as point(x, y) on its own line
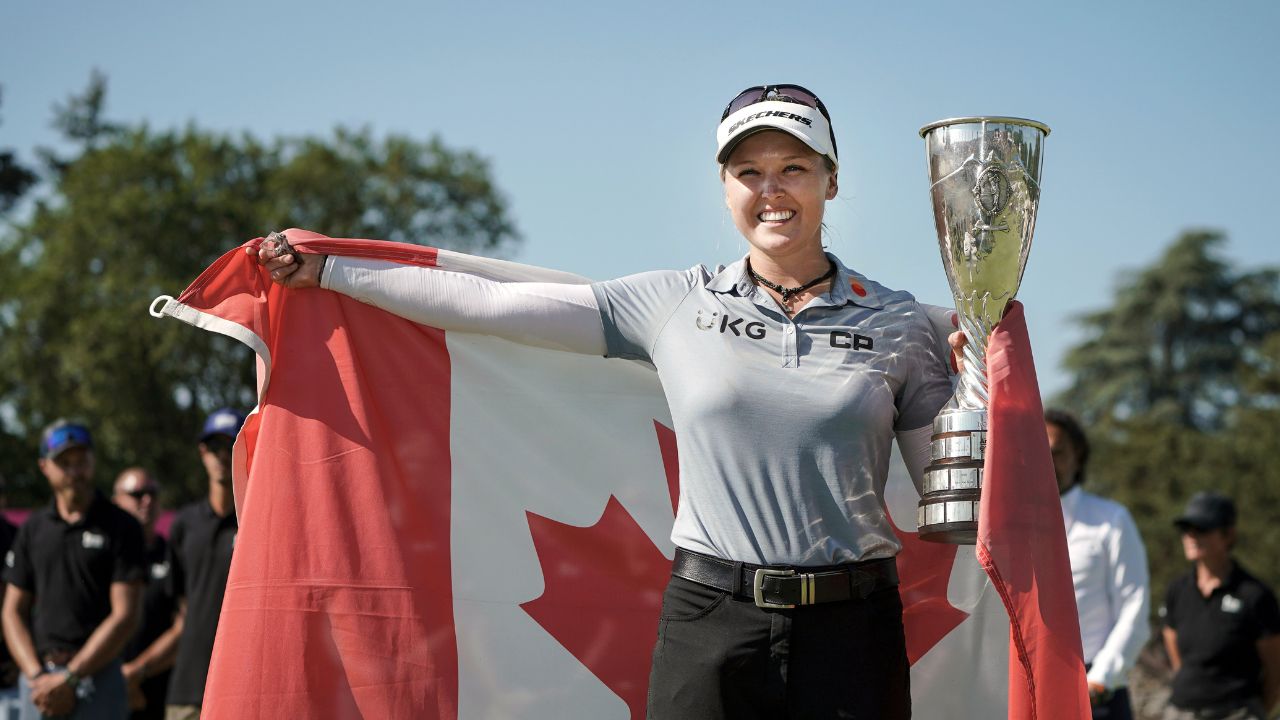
point(91, 512)
point(848, 287)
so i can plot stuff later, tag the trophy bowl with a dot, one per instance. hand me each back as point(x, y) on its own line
point(984, 175)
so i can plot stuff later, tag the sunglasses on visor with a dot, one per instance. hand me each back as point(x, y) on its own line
point(780, 93)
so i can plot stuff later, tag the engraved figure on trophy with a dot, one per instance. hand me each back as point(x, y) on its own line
point(985, 188)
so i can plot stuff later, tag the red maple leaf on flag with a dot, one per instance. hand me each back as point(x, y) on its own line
point(924, 571)
point(604, 587)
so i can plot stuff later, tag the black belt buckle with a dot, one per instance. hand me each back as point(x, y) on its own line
point(757, 587)
point(806, 582)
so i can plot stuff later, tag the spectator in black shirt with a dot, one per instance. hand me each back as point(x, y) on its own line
point(8, 670)
point(201, 539)
point(150, 653)
point(1222, 626)
point(74, 580)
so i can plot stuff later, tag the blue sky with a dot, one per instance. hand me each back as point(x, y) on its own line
point(599, 117)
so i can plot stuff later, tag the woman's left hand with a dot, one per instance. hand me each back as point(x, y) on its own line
point(957, 340)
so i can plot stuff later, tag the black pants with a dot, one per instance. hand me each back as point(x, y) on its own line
point(1116, 707)
point(719, 657)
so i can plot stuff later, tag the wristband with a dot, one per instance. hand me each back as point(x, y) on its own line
point(82, 686)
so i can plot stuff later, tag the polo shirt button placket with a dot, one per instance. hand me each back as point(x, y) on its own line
point(789, 358)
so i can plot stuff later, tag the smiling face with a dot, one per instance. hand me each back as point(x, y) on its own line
point(776, 189)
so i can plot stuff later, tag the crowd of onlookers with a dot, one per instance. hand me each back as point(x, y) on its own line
point(104, 617)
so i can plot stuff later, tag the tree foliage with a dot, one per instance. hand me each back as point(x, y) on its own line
point(136, 213)
point(1177, 339)
point(1179, 384)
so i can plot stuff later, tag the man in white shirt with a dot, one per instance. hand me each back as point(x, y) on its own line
point(1108, 568)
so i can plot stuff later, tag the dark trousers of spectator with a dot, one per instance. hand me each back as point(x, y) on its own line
point(719, 657)
point(107, 703)
point(1115, 707)
point(154, 690)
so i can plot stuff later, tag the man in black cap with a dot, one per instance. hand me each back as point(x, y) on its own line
point(1222, 625)
point(151, 650)
point(74, 576)
point(201, 540)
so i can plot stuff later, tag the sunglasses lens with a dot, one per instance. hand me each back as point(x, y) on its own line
point(761, 93)
point(219, 443)
point(798, 94)
point(750, 96)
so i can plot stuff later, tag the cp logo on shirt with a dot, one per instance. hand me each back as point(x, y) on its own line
point(848, 340)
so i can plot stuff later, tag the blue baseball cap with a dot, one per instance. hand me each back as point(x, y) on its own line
point(223, 421)
point(62, 435)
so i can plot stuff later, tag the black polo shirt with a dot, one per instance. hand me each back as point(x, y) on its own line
point(70, 567)
point(200, 558)
point(1217, 638)
point(158, 608)
point(8, 669)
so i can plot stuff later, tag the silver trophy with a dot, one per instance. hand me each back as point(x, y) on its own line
point(985, 185)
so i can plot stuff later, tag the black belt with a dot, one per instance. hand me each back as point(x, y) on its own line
point(772, 586)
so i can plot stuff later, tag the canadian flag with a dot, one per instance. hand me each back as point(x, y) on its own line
point(448, 525)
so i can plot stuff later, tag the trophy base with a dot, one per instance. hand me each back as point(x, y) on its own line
point(949, 505)
point(950, 517)
point(959, 533)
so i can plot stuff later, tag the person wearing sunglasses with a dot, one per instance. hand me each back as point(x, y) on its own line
point(74, 576)
point(788, 376)
point(149, 654)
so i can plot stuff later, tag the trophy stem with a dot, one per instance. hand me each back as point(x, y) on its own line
point(972, 391)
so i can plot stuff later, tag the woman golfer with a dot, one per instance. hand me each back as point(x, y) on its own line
point(788, 376)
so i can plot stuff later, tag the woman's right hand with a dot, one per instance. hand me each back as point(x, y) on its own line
point(292, 269)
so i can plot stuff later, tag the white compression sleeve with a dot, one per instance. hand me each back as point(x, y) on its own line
point(559, 316)
point(915, 448)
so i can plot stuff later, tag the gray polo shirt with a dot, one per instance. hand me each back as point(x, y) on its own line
point(784, 425)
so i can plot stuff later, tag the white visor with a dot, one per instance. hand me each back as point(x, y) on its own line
point(802, 121)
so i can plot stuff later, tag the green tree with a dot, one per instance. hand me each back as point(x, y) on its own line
point(137, 213)
point(1176, 338)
